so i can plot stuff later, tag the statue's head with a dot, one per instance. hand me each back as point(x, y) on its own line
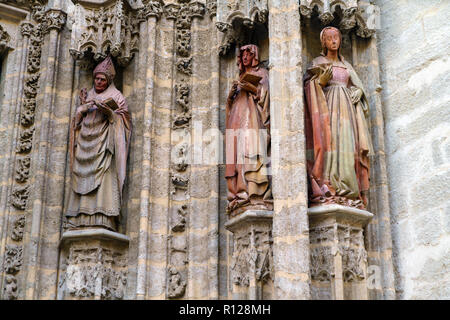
point(104, 75)
point(331, 39)
point(248, 57)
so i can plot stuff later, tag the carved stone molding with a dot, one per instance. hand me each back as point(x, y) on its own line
point(13, 259)
point(10, 288)
point(25, 141)
point(177, 285)
point(94, 265)
point(252, 259)
point(197, 9)
point(153, 8)
point(241, 22)
point(109, 29)
point(337, 252)
point(348, 14)
point(171, 10)
point(211, 8)
point(19, 197)
point(322, 264)
point(26, 28)
point(23, 169)
point(18, 227)
point(55, 19)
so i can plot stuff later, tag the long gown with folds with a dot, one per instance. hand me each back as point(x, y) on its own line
point(98, 156)
point(248, 148)
point(337, 137)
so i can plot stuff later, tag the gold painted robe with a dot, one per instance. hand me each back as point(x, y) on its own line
point(337, 137)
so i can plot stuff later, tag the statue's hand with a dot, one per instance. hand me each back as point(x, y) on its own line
point(356, 95)
point(233, 90)
point(105, 110)
point(326, 76)
point(81, 110)
point(248, 87)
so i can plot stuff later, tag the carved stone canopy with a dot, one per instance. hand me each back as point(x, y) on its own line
point(359, 15)
point(242, 22)
point(103, 27)
point(4, 40)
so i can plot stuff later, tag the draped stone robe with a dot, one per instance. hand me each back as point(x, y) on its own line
point(337, 136)
point(248, 148)
point(98, 157)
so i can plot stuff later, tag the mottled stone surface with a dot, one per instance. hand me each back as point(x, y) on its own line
point(174, 202)
point(414, 63)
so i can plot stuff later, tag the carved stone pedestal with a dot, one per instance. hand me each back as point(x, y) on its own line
point(252, 260)
point(338, 256)
point(94, 265)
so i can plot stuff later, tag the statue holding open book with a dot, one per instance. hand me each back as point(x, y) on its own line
point(248, 136)
point(337, 129)
point(99, 142)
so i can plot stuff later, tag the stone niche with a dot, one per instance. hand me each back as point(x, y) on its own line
point(103, 27)
point(94, 265)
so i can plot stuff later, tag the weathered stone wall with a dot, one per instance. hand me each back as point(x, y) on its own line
point(414, 62)
point(179, 233)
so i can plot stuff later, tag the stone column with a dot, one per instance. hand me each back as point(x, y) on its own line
point(54, 21)
point(213, 225)
point(290, 221)
point(147, 62)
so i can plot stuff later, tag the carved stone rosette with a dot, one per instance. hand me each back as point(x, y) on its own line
point(94, 265)
point(112, 28)
point(338, 258)
point(252, 270)
point(183, 13)
point(348, 14)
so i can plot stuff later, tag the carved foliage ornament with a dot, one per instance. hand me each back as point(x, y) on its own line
point(177, 285)
point(361, 16)
point(18, 228)
point(10, 288)
point(110, 30)
point(13, 259)
point(252, 254)
point(92, 266)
